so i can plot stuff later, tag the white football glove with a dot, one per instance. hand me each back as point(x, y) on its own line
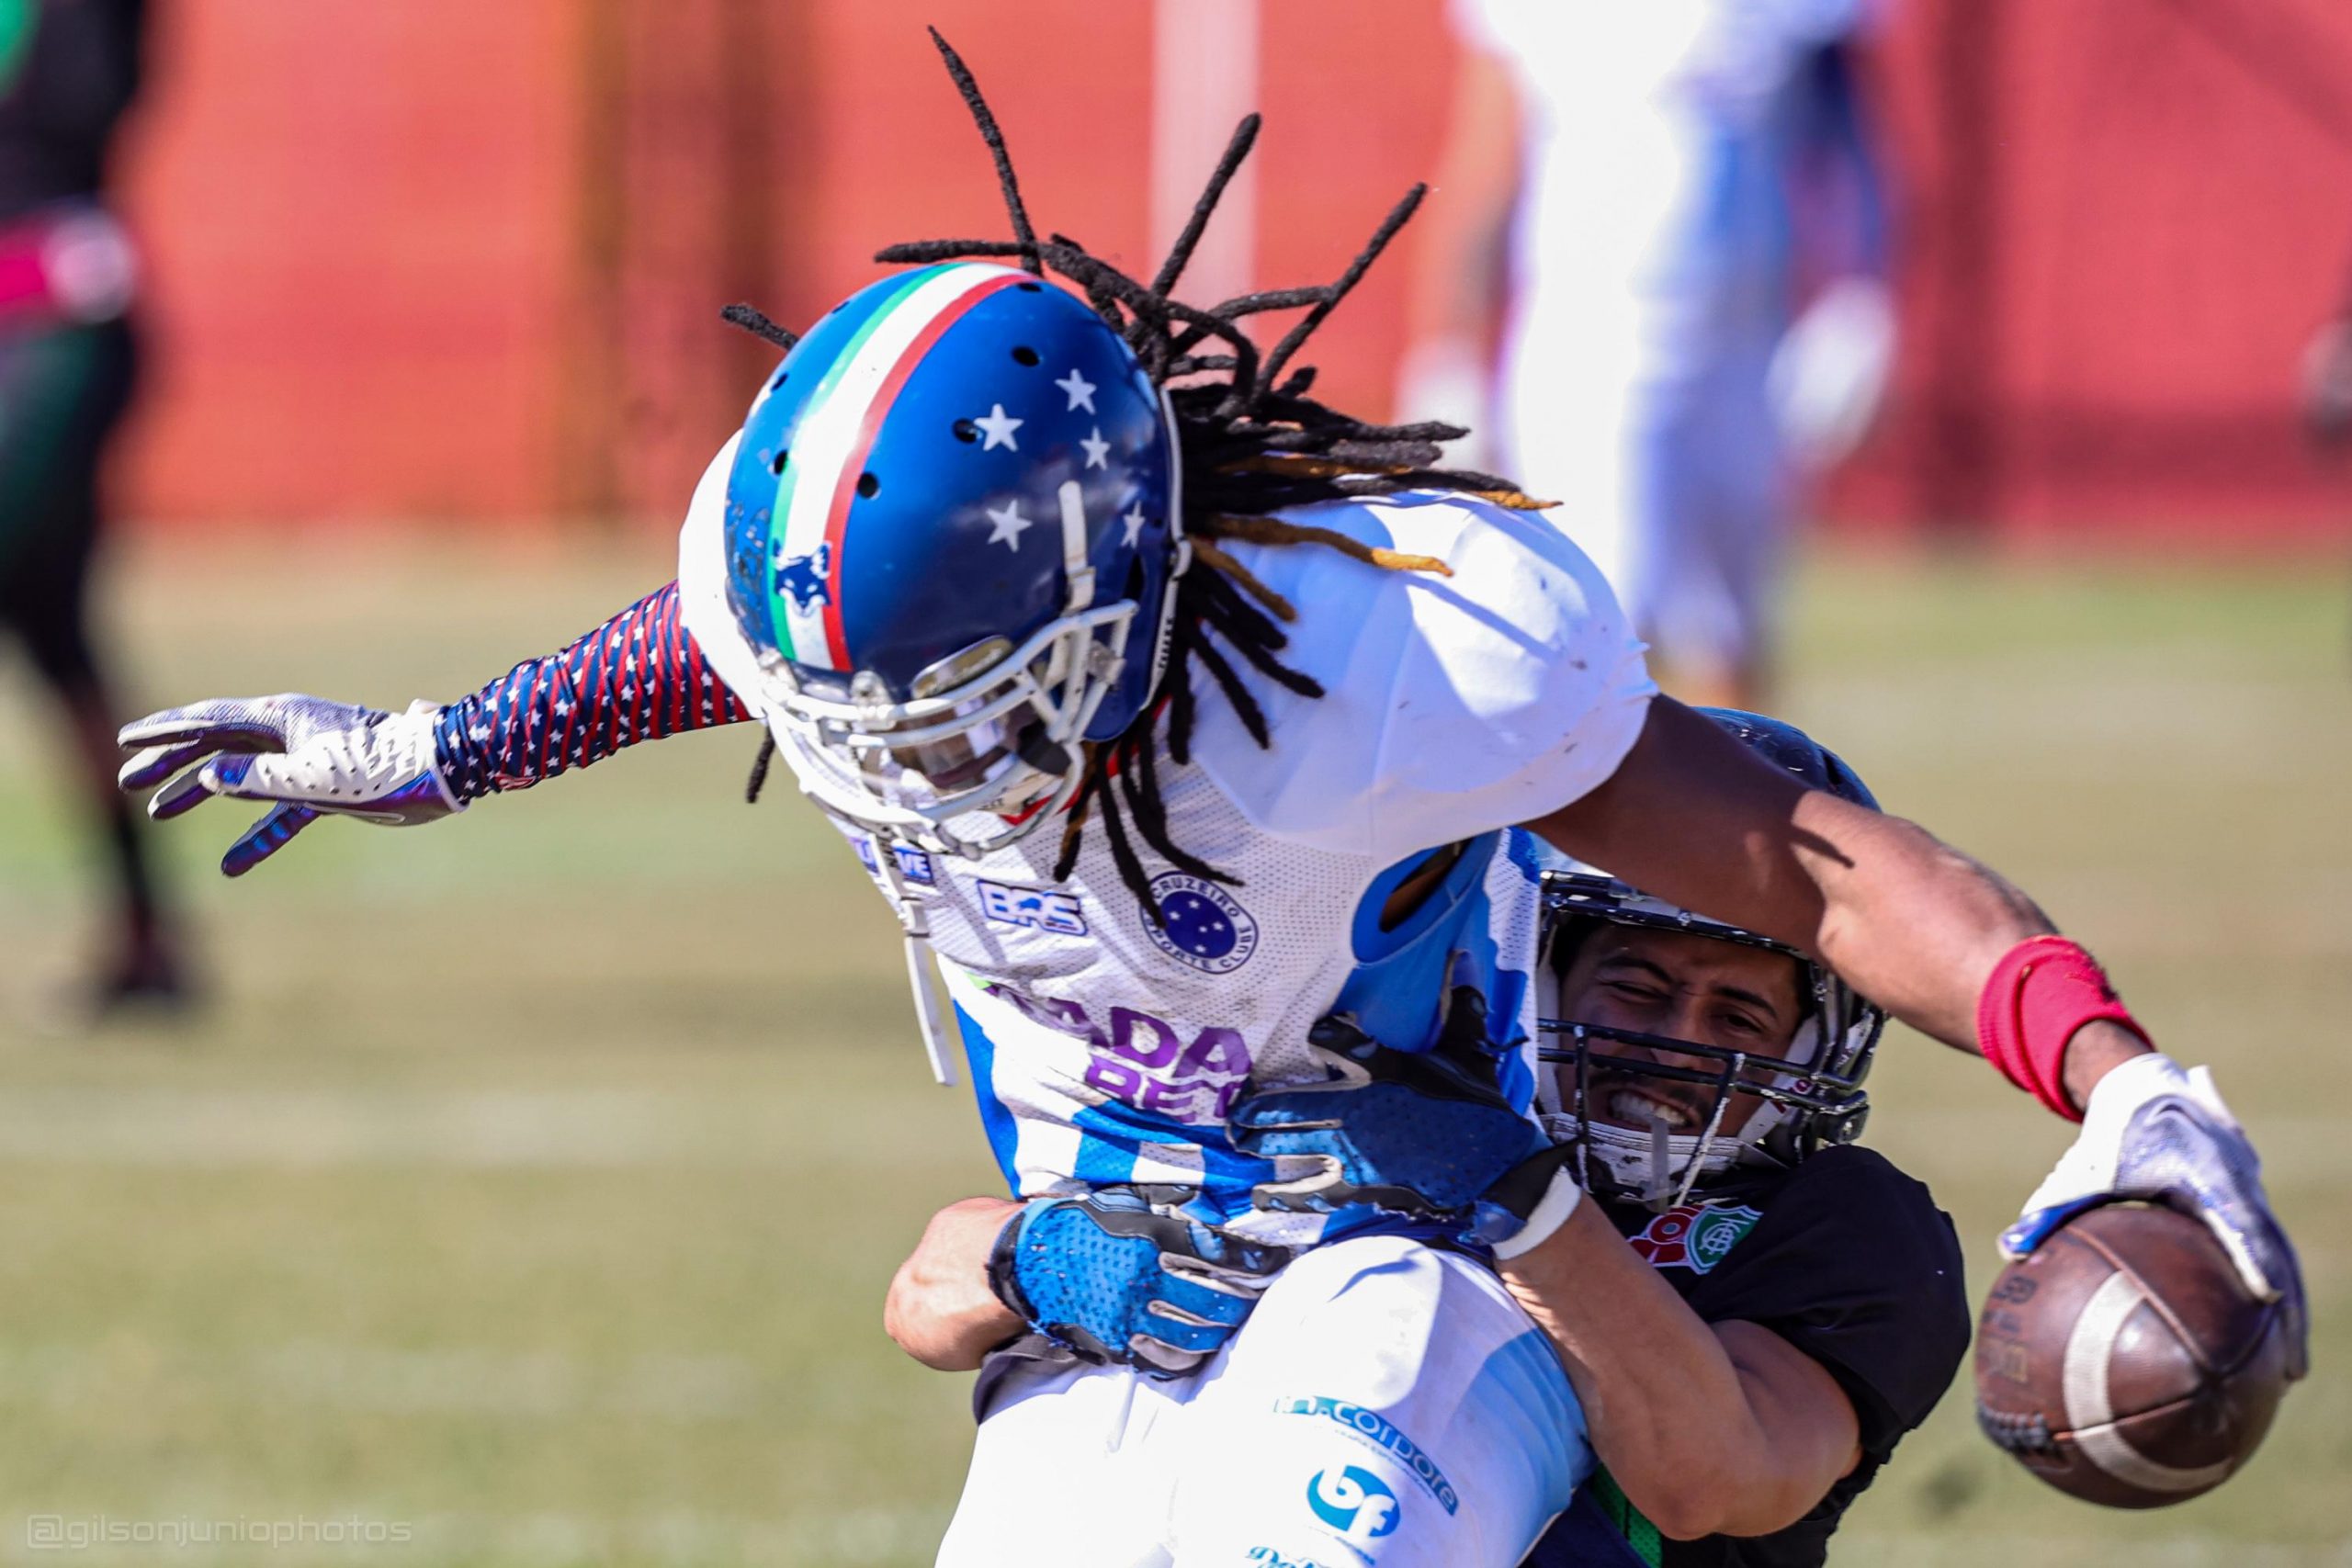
point(2153, 1131)
point(310, 758)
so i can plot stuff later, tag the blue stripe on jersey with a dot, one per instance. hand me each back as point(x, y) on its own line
point(996, 1118)
point(1108, 1143)
point(1398, 989)
point(1406, 977)
point(1530, 855)
point(1525, 853)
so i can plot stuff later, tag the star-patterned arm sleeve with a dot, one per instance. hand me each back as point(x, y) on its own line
point(639, 676)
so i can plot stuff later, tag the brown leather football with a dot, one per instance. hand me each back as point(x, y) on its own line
point(2124, 1362)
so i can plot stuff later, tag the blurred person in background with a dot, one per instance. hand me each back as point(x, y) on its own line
point(68, 71)
point(1631, 204)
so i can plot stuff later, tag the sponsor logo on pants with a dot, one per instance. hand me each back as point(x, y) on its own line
point(1267, 1557)
point(1354, 1505)
point(1381, 1433)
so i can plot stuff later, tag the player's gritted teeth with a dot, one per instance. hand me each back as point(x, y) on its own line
point(1629, 1103)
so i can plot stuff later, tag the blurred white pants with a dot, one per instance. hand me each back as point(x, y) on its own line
point(1386, 1404)
point(1677, 489)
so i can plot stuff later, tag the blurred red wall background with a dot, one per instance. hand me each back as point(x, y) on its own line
point(457, 262)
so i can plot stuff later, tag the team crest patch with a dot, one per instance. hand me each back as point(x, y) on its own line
point(1695, 1236)
point(1203, 926)
point(803, 577)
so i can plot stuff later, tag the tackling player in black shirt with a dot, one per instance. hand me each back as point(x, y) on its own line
point(1711, 1081)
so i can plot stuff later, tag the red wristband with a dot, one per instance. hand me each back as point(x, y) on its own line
point(2041, 991)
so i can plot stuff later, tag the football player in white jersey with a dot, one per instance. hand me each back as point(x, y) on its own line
point(1739, 1400)
point(1633, 200)
point(1175, 712)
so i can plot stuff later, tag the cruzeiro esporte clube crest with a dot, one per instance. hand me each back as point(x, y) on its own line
point(1240, 439)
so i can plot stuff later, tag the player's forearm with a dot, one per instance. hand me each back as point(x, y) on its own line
point(1667, 1405)
point(1908, 921)
point(940, 1310)
point(640, 676)
point(1694, 816)
point(1919, 928)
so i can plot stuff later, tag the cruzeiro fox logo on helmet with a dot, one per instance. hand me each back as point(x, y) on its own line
point(803, 577)
point(956, 500)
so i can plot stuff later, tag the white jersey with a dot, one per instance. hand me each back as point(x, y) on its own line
point(1651, 280)
point(1654, 235)
point(1106, 1049)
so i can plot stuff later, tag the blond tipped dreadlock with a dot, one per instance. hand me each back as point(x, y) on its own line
point(1252, 443)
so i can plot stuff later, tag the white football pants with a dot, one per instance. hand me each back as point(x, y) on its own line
point(1679, 492)
point(1385, 1405)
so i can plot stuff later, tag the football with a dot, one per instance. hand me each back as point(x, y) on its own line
point(2125, 1363)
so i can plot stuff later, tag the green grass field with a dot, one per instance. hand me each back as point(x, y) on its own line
point(533, 1182)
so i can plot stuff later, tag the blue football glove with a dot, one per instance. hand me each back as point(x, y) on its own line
point(307, 757)
point(1427, 1135)
point(1117, 1279)
point(2154, 1132)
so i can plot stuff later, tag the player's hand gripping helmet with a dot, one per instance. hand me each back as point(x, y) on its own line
point(953, 538)
point(1811, 1095)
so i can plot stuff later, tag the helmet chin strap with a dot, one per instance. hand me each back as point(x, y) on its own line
point(914, 930)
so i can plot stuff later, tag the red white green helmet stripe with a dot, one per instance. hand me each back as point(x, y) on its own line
point(835, 431)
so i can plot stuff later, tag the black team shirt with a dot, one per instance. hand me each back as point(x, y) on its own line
point(1848, 1260)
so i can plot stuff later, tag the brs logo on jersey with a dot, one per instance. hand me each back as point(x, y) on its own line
point(1354, 1504)
point(1695, 1236)
point(1032, 906)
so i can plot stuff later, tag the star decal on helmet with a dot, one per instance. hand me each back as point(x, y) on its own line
point(1080, 390)
point(998, 427)
point(1134, 520)
point(1009, 524)
point(1098, 451)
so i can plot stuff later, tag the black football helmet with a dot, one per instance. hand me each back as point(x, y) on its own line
point(1811, 1095)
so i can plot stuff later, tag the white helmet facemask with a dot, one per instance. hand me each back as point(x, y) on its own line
point(978, 758)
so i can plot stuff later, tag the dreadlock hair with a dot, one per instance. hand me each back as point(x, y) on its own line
point(1251, 443)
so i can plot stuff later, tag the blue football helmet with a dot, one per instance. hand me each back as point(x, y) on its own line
point(1811, 1096)
point(954, 538)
